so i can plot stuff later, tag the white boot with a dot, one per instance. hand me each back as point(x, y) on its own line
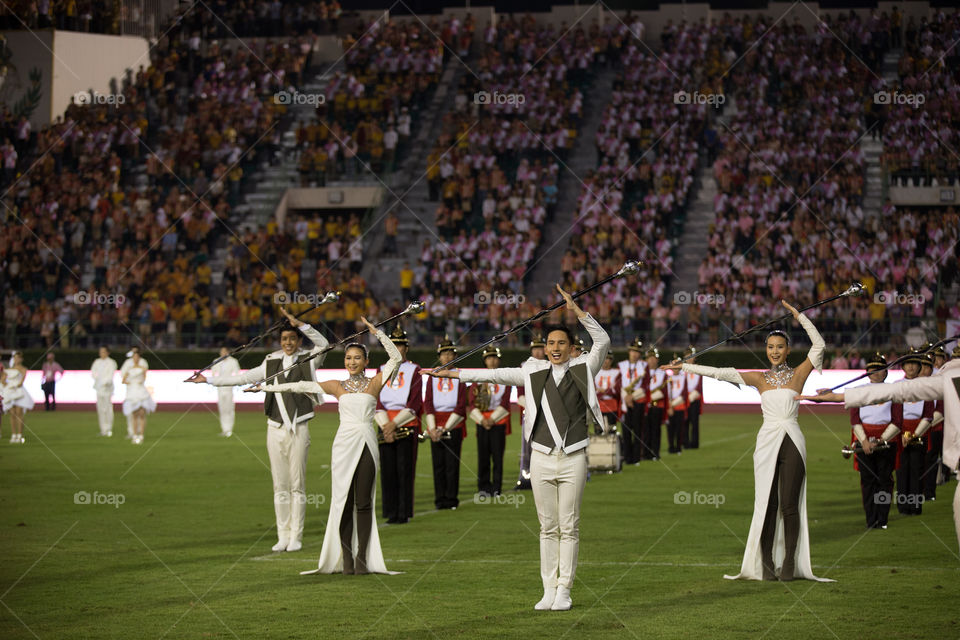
point(295, 545)
point(549, 594)
point(281, 545)
point(562, 602)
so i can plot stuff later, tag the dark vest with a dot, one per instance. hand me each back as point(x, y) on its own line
point(299, 403)
point(569, 404)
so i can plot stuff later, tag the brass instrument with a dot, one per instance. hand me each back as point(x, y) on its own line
point(482, 399)
point(856, 448)
point(399, 434)
point(912, 440)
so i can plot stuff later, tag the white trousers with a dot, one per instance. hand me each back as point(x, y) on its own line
point(105, 411)
point(288, 466)
point(557, 480)
point(226, 408)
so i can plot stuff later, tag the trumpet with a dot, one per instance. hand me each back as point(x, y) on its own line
point(399, 434)
point(856, 448)
point(912, 440)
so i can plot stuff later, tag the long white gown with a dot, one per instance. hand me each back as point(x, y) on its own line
point(779, 420)
point(355, 432)
point(14, 395)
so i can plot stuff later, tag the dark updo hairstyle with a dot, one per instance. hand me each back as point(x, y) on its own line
point(357, 345)
point(778, 333)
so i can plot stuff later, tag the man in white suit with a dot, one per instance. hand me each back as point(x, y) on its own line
point(944, 385)
point(561, 402)
point(102, 371)
point(225, 405)
point(288, 438)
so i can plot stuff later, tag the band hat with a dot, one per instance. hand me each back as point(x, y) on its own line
point(876, 361)
point(915, 356)
point(636, 345)
point(446, 345)
point(399, 336)
point(491, 351)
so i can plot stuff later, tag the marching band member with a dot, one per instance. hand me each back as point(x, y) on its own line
point(444, 409)
point(537, 345)
point(562, 393)
point(778, 530)
point(677, 406)
point(871, 426)
point(943, 386)
point(633, 373)
point(489, 405)
point(656, 405)
point(288, 414)
point(398, 415)
point(225, 403)
point(691, 438)
point(917, 416)
point(102, 371)
point(609, 390)
point(16, 400)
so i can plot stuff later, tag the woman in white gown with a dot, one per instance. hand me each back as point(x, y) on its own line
point(351, 543)
point(16, 400)
point(778, 532)
point(138, 401)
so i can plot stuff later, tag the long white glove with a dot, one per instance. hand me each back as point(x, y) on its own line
point(726, 374)
point(817, 345)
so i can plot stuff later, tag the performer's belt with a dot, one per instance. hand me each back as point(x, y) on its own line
point(504, 421)
point(874, 430)
point(442, 417)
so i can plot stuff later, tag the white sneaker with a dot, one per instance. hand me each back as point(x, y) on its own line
point(295, 545)
point(13, 438)
point(562, 601)
point(281, 545)
point(226, 434)
point(549, 595)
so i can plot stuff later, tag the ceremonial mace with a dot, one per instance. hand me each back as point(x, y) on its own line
point(853, 290)
point(628, 268)
point(412, 308)
point(332, 296)
point(897, 361)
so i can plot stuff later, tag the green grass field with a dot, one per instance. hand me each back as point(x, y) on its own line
point(187, 553)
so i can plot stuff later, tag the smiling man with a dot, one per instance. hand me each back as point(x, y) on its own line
point(561, 395)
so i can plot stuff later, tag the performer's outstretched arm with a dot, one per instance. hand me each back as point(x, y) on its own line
point(251, 376)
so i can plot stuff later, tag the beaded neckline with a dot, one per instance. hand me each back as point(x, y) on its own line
point(779, 376)
point(356, 383)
